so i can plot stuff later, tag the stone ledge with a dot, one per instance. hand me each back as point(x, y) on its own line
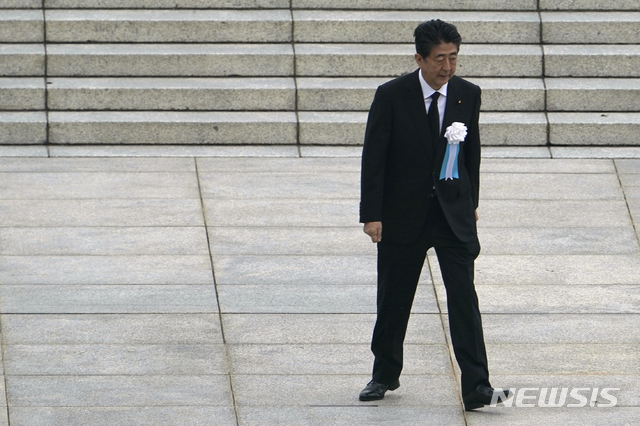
point(356, 94)
point(169, 60)
point(21, 60)
point(172, 128)
point(22, 4)
point(581, 152)
point(296, 151)
point(12, 151)
point(505, 60)
point(162, 4)
point(580, 94)
point(21, 26)
point(420, 4)
point(511, 94)
point(592, 60)
point(511, 152)
point(18, 128)
point(170, 151)
point(587, 5)
point(397, 27)
point(225, 93)
point(208, 26)
point(315, 128)
point(22, 94)
point(594, 128)
point(347, 128)
point(514, 129)
point(591, 27)
point(336, 94)
point(340, 60)
point(332, 128)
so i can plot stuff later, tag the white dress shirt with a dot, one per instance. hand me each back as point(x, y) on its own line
point(427, 91)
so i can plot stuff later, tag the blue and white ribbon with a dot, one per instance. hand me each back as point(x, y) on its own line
point(454, 134)
point(449, 168)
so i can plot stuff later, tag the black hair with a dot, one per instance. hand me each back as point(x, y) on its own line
point(434, 32)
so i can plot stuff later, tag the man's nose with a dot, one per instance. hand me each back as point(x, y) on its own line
point(446, 65)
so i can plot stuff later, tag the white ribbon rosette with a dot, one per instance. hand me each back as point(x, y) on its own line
point(454, 134)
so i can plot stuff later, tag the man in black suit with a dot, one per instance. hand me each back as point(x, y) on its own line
point(419, 189)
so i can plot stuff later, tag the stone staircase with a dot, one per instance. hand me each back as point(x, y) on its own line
point(242, 72)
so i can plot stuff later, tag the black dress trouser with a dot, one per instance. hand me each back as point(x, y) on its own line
point(399, 268)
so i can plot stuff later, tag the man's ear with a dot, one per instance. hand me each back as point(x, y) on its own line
point(419, 59)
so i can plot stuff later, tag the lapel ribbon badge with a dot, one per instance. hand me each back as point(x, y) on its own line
point(454, 134)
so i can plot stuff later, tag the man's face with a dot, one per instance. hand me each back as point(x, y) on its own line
point(440, 65)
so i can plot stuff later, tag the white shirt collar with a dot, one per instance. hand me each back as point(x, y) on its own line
point(427, 90)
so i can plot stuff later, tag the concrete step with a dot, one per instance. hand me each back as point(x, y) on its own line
point(326, 26)
point(315, 128)
point(347, 128)
point(161, 4)
point(588, 5)
point(227, 60)
point(21, 26)
point(356, 94)
point(436, 5)
point(21, 60)
point(23, 128)
point(511, 94)
point(141, 26)
point(567, 128)
point(231, 94)
point(277, 60)
point(591, 27)
point(237, 94)
point(22, 94)
point(275, 26)
point(336, 94)
point(314, 94)
point(593, 94)
point(419, 4)
point(332, 128)
point(21, 4)
point(592, 60)
point(372, 60)
point(285, 4)
point(513, 129)
point(507, 5)
point(157, 128)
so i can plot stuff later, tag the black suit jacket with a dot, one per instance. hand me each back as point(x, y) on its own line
point(400, 169)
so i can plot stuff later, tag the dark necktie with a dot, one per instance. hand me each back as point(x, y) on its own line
point(433, 117)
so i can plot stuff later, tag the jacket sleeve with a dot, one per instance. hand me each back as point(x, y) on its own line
point(472, 152)
point(374, 157)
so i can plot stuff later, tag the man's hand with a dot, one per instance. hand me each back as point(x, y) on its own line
point(476, 212)
point(374, 230)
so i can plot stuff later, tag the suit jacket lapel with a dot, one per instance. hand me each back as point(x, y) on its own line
point(417, 110)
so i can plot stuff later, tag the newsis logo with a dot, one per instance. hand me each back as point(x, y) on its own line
point(556, 397)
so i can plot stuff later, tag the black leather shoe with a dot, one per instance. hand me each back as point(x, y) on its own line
point(374, 390)
point(483, 395)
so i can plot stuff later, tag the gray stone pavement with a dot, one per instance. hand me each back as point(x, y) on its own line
point(234, 286)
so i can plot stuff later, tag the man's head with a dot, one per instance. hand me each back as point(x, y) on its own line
point(437, 46)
